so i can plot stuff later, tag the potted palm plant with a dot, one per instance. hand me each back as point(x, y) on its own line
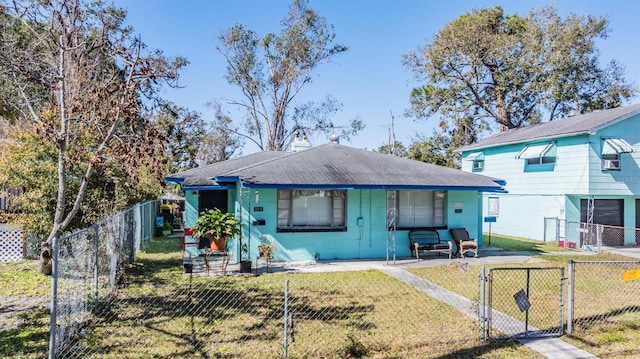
point(218, 226)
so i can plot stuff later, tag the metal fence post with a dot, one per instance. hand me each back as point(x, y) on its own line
point(526, 314)
point(96, 266)
point(286, 317)
point(599, 230)
point(570, 297)
point(54, 298)
point(482, 309)
point(562, 281)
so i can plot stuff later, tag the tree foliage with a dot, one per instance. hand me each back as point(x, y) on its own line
point(396, 149)
point(439, 148)
point(184, 132)
point(221, 140)
point(79, 82)
point(515, 70)
point(272, 70)
point(29, 162)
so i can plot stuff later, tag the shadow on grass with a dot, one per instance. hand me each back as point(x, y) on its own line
point(196, 314)
point(30, 338)
point(597, 320)
point(480, 350)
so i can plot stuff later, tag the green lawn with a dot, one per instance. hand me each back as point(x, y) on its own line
point(512, 244)
point(162, 313)
point(24, 313)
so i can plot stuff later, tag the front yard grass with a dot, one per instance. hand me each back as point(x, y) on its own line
point(512, 244)
point(24, 313)
point(163, 313)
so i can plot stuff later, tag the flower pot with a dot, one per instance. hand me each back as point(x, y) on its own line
point(218, 244)
point(245, 266)
point(188, 268)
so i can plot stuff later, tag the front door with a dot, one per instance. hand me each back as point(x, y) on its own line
point(213, 199)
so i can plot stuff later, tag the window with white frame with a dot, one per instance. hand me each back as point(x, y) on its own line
point(418, 209)
point(311, 209)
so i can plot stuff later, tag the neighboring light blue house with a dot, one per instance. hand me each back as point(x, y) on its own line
point(554, 169)
point(334, 201)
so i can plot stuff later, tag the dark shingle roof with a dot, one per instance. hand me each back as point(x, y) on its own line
point(203, 176)
point(569, 126)
point(335, 165)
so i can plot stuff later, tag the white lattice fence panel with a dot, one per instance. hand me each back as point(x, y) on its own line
point(11, 245)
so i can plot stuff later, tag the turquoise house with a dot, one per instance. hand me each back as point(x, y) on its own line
point(564, 169)
point(334, 201)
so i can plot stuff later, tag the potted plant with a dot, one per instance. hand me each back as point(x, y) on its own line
point(266, 250)
point(167, 229)
point(245, 262)
point(218, 226)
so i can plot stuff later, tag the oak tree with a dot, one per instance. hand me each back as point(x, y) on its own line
point(515, 70)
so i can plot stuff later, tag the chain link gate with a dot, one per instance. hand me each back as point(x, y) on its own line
point(522, 302)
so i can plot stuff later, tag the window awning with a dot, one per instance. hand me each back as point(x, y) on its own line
point(535, 151)
point(475, 156)
point(614, 146)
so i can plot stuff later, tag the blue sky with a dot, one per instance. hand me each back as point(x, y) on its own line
point(368, 79)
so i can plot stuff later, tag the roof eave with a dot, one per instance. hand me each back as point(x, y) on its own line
point(379, 186)
point(592, 131)
point(542, 138)
point(177, 180)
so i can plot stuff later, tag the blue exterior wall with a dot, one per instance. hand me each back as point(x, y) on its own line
point(190, 208)
point(627, 180)
point(555, 191)
point(362, 239)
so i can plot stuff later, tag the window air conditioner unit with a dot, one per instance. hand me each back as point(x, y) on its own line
point(611, 165)
point(478, 165)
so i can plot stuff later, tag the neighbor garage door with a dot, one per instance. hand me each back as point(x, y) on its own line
point(609, 212)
